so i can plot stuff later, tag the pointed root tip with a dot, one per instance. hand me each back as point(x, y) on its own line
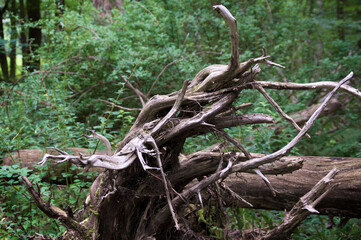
point(215, 7)
point(348, 77)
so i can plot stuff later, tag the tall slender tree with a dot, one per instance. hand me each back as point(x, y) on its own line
point(23, 39)
point(34, 40)
point(340, 17)
point(13, 40)
point(3, 59)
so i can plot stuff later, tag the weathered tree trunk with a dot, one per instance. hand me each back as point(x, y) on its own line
point(291, 177)
point(23, 39)
point(34, 40)
point(148, 189)
point(344, 200)
point(13, 40)
point(340, 17)
point(3, 56)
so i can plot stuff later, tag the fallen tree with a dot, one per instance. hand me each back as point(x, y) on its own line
point(148, 184)
point(306, 171)
point(343, 201)
point(287, 188)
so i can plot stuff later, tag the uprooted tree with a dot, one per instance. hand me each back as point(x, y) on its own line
point(150, 190)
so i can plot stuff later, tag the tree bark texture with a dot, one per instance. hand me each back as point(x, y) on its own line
point(13, 40)
point(34, 40)
point(3, 56)
point(340, 17)
point(291, 177)
point(344, 200)
point(23, 39)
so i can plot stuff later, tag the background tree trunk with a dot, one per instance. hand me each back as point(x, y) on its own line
point(23, 39)
point(340, 19)
point(3, 55)
point(13, 40)
point(34, 40)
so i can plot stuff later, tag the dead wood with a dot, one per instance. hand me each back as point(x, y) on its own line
point(52, 211)
point(304, 207)
point(302, 116)
point(30, 157)
point(343, 201)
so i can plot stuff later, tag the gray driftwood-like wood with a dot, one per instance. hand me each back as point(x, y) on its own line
point(148, 189)
point(343, 201)
point(291, 176)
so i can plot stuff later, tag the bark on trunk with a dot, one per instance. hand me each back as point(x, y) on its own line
point(23, 39)
point(13, 40)
point(340, 16)
point(344, 200)
point(291, 177)
point(33, 10)
point(3, 55)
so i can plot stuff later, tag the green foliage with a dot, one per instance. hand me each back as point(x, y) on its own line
point(315, 228)
point(251, 219)
point(20, 217)
point(210, 220)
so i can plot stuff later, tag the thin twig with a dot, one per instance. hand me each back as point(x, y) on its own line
point(139, 93)
point(314, 85)
point(235, 195)
point(175, 61)
point(265, 179)
point(84, 92)
point(26, 95)
point(120, 107)
point(277, 107)
point(234, 109)
point(91, 30)
point(234, 142)
point(41, 72)
point(269, 11)
point(169, 200)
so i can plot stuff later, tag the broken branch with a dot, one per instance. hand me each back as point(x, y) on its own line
point(54, 212)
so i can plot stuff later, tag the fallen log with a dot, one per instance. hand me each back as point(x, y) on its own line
point(302, 116)
point(344, 200)
point(30, 158)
